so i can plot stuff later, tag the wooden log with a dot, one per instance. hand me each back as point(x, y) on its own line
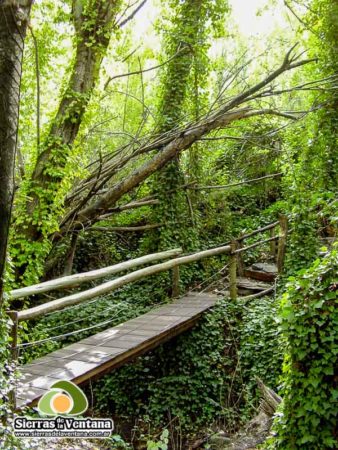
point(110, 286)
point(71, 280)
point(283, 222)
point(259, 294)
point(175, 282)
point(233, 271)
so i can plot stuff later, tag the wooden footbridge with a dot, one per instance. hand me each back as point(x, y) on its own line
point(102, 352)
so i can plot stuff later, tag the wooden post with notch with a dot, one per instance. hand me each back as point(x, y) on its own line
point(273, 243)
point(283, 223)
point(14, 334)
point(240, 263)
point(175, 292)
point(233, 271)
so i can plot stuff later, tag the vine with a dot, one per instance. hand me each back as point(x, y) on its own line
point(309, 322)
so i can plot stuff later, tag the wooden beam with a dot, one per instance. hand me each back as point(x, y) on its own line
point(71, 280)
point(283, 222)
point(259, 230)
point(110, 286)
point(259, 294)
point(14, 334)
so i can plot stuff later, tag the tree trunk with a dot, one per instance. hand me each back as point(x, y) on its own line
point(14, 16)
point(93, 26)
point(186, 36)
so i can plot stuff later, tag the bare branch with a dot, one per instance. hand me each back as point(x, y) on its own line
point(226, 186)
point(180, 139)
point(131, 229)
point(132, 15)
point(138, 72)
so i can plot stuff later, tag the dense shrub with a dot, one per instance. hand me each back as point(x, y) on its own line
point(309, 320)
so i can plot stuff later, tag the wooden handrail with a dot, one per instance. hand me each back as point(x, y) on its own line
point(78, 278)
point(244, 249)
point(58, 304)
point(253, 233)
point(235, 249)
point(259, 230)
point(110, 286)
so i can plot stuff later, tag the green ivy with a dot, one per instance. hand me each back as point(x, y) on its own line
point(309, 322)
point(206, 375)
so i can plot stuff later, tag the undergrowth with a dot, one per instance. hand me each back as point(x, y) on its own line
point(203, 378)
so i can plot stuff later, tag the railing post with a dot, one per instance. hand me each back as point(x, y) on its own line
point(233, 271)
point(240, 263)
point(273, 243)
point(175, 291)
point(283, 223)
point(14, 334)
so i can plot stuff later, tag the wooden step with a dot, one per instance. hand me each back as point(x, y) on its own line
point(251, 285)
point(245, 286)
point(262, 272)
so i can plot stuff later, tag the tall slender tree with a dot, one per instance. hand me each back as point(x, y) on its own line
point(94, 21)
point(14, 16)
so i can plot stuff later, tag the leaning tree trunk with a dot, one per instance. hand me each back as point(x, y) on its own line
point(13, 23)
point(93, 25)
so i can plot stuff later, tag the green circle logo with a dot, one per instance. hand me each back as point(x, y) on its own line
point(63, 398)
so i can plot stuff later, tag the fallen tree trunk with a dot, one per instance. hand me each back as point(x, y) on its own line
point(180, 143)
point(169, 146)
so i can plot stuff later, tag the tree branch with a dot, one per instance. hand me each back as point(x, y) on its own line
point(132, 229)
point(179, 140)
point(226, 186)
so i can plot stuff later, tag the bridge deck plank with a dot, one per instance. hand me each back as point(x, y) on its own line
point(111, 348)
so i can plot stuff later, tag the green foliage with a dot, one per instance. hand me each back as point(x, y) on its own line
point(8, 377)
point(310, 160)
point(203, 376)
point(261, 346)
point(309, 322)
point(185, 378)
point(187, 42)
point(162, 444)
